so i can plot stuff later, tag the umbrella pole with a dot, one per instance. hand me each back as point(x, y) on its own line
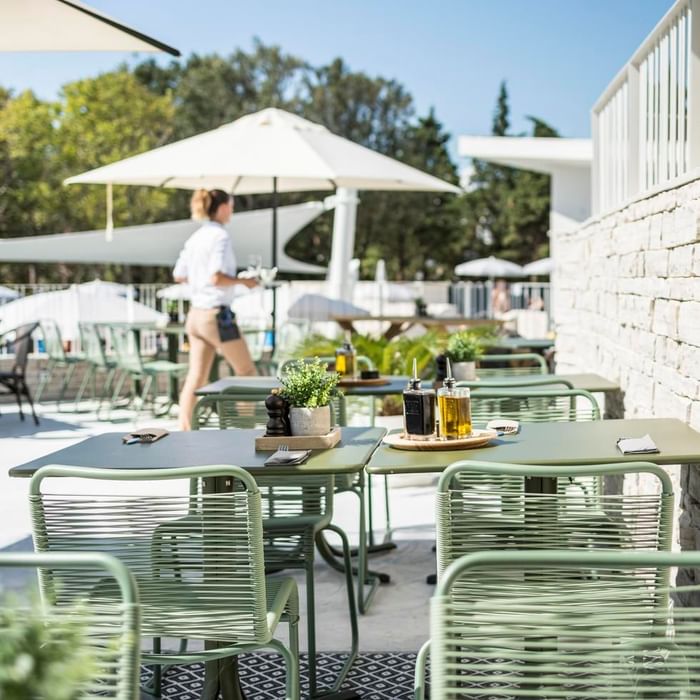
point(274, 262)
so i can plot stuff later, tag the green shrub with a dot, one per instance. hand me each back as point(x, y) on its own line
point(41, 660)
point(393, 356)
point(463, 347)
point(309, 384)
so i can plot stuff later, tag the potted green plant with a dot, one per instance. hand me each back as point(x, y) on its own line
point(463, 349)
point(308, 388)
point(40, 660)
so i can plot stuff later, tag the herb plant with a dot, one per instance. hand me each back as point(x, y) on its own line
point(41, 659)
point(463, 347)
point(309, 384)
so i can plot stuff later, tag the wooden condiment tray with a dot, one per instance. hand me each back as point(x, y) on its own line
point(478, 438)
point(298, 442)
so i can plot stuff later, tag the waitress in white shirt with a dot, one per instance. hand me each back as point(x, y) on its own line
point(208, 265)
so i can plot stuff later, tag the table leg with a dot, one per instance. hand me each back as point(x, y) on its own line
point(173, 348)
point(221, 675)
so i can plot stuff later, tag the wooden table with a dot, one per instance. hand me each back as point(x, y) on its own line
point(188, 449)
point(400, 324)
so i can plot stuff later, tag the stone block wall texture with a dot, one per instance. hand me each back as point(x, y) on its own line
point(627, 306)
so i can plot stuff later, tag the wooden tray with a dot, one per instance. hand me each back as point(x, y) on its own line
point(348, 382)
point(478, 438)
point(299, 442)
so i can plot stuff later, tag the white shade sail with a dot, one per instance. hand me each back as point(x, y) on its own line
point(67, 25)
point(489, 267)
point(318, 307)
point(160, 244)
point(244, 156)
point(68, 307)
point(544, 266)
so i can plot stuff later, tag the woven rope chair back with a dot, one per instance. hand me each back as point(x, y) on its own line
point(92, 345)
point(488, 506)
point(126, 349)
point(511, 365)
point(282, 497)
point(500, 629)
point(100, 639)
point(534, 405)
point(197, 556)
point(53, 342)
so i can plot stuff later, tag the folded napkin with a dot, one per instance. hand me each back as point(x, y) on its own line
point(637, 446)
point(288, 457)
point(504, 426)
point(145, 435)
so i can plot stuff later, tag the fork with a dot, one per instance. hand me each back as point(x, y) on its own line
point(283, 448)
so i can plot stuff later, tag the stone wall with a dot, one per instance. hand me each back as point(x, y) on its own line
point(627, 306)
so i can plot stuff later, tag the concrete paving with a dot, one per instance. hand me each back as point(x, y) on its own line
point(398, 618)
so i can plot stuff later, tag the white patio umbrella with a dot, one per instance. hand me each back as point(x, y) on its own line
point(490, 267)
point(7, 294)
point(68, 307)
point(68, 25)
point(101, 287)
point(543, 266)
point(318, 307)
point(267, 151)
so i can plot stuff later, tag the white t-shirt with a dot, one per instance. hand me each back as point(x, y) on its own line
point(207, 251)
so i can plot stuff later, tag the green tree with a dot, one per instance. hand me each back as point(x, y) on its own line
point(506, 211)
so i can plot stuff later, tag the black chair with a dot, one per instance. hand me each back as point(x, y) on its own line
point(14, 381)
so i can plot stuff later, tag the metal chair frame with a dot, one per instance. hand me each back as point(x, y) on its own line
point(111, 632)
point(500, 629)
point(197, 559)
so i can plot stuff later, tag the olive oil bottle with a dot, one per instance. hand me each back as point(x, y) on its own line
point(455, 409)
point(346, 359)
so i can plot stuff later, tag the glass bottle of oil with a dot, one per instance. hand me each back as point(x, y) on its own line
point(418, 409)
point(346, 359)
point(454, 405)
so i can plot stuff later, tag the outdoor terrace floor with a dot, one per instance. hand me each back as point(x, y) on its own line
point(398, 618)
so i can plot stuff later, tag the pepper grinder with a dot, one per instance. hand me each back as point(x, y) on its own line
point(277, 411)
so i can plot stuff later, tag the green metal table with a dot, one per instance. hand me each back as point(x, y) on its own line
point(592, 442)
point(522, 343)
point(395, 385)
point(187, 449)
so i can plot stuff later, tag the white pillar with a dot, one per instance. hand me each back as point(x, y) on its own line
point(343, 243)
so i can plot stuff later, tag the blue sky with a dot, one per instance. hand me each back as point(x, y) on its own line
point(556, 55)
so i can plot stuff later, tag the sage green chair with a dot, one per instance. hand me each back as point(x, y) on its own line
point(108, 630)
point(534, 405)
point(93, 347)
point(361, 485)
point(58, 359)
point(296, 511)
point(196, 555)
point(501, 630)
point(535, 381)
point(238, 408)
point(143, 372)
point(484, 506)
point(529, 363)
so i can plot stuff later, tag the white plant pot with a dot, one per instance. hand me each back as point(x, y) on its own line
point(464, 371)
point(310, 421)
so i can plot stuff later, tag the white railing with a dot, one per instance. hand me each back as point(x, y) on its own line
point(645, 130)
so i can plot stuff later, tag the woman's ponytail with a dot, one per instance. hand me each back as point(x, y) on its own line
point(205, 203)
point(200, 204)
